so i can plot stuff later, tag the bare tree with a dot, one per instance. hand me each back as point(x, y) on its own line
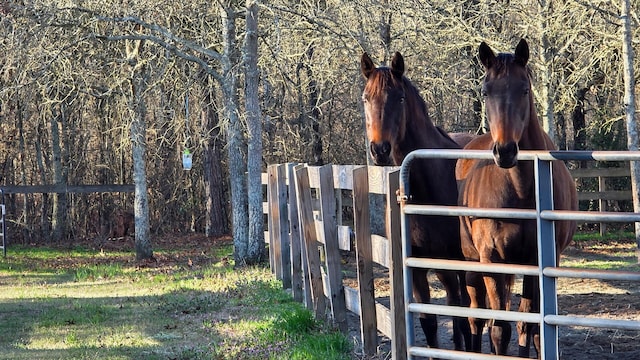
point(630, 107)
point(138, 141)
point(255, 251)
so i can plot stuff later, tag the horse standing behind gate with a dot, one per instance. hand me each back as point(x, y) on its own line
point(507, 183)
point(397, 123)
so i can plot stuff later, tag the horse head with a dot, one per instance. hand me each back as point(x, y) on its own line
point(384, 108)
point(506, 90)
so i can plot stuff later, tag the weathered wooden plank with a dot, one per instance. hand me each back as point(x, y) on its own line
point(274, 221)
point(295, 238)
point(605, 195)
point(399, 334)
point(378, 178)
point(364, 260)
point(343, 232)
point(600, 172)
point(67, 189)
point(311, 256)
point(383, 319)
point(380, 246)
point(283, 211)
point(332, 251)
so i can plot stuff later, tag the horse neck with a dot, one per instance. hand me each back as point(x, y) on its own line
point(421, 133)
point(534, 137)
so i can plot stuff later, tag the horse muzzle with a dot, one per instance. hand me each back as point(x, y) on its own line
point(505, 155)
point(381, 152)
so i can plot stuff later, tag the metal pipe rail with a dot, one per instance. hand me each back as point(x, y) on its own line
point(546, 270)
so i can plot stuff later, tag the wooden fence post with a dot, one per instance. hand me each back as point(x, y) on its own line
point(399, 338)
point(602, 204)
point(331, 247)
point(273, 220)
point(310, 244)
point(296, 247)
point(364, 260)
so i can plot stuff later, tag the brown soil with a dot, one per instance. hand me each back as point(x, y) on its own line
point(579, 297)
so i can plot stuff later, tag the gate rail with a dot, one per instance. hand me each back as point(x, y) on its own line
point(546, 270)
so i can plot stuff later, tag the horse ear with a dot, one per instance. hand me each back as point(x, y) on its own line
point(522, 52)
point(397, 65)
point(366, 65)
point(486, 55)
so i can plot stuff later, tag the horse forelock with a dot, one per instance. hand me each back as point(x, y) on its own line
point(503, 63)
point(379, 81)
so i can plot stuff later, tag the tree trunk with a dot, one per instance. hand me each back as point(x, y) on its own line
point(138, 144)
point(256, 248)
point(216, 222)
point(59, 200)
point(630, 108)
point(546, 58)
point(235, 142)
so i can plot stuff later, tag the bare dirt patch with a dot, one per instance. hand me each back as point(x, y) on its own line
point(576, 297)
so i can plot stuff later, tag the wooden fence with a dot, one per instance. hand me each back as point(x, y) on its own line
point(310, 235)
point(604, 194)
point(310, 230)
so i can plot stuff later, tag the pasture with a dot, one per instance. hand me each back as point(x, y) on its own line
point(95, 302)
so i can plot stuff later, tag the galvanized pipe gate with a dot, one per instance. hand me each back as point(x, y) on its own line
point(547, 269)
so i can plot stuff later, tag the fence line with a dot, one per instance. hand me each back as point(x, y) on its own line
point(318, 231)
point(306, 227)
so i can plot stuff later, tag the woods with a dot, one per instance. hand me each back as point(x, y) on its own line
point(267, 82)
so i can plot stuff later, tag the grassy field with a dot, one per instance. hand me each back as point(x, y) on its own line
point(98, 303)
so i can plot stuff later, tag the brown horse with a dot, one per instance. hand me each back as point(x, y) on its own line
point(397, 123)
point(507, 183)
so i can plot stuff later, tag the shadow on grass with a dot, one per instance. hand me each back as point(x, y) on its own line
point(177, 324)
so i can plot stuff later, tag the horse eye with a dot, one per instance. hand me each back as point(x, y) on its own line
point(402, 100)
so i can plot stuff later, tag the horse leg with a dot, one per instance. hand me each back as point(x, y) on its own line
point(477, 295)
point(421, 294)
point(461, 330)
point(528, 303)
point(500, 330)
point(465, 329)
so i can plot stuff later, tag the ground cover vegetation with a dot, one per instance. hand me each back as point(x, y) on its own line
point(92, 303)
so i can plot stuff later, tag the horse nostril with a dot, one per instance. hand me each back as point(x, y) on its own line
point(385, 148)
point(381, 149)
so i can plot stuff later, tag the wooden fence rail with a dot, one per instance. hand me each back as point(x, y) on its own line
point(308, 236)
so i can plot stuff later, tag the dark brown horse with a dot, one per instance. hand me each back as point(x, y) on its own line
point(507, 183)
point(397, 123)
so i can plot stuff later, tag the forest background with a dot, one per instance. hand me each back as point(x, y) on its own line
point(104, 92)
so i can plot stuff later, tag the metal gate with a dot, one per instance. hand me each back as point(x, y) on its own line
point(547, 269)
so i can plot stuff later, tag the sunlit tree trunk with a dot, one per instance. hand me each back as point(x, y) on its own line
point(630, 108)
point(138, 145)
point(546, 75)
point(255, 246)
point(235, 142)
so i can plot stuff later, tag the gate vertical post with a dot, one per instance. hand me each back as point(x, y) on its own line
point(546, 258)
point(403, 196)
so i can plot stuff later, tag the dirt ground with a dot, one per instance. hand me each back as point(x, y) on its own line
point(579, 297)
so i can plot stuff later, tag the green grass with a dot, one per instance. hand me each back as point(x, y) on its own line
point(613, 251)
point(192, 304)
